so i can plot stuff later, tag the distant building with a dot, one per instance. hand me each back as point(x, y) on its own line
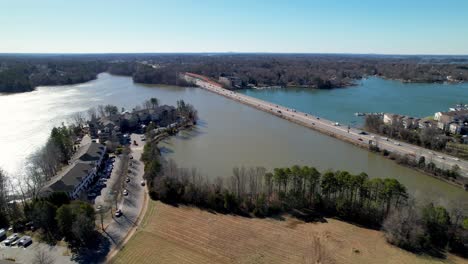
point(446, 118)
point(455, 128)
point(390, 119)
point(426, 123)
point(230, 82)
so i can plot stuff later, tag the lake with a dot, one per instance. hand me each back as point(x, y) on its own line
point(369, 95)
point(229, 134)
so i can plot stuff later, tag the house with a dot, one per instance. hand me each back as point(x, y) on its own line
point(230, 82)
point(426, 123)
point(74, 181)
point(92, 153)
point(408, 122)
point(78, 176)
point(390, 119)
point(455, 128)
point(445, 118)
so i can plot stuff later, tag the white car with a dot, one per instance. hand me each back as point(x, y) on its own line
point(118, 213)
point(11, 239)
point(125, 192)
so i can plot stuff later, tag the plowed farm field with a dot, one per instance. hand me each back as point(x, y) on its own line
point(188, 235)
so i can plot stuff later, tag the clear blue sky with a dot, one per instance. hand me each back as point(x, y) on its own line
point(316, 26)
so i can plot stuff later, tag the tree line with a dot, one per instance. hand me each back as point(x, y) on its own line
point(309, 194)
point(23, 73)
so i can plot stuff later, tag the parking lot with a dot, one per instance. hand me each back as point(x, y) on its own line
point(27, 254)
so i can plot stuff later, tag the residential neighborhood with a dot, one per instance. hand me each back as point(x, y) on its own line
point(454, 121)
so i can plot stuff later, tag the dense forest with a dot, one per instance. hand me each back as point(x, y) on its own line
point(19, 73)
point(311, 195)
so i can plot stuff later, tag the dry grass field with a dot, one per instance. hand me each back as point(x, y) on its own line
point(188, 235)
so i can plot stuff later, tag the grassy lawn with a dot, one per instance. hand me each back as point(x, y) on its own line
point(188, 235)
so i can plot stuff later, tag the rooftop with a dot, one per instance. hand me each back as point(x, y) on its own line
point(72, 178)
point(90, 152)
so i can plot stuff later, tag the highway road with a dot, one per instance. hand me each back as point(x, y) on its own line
point(352, 135)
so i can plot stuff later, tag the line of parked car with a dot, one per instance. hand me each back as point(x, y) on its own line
point(102, 180)
point(14, 239)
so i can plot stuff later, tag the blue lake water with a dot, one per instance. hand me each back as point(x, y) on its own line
point(369, 95)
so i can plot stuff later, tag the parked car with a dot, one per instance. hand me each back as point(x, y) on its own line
point(142, 183)
point(118, 213)
point(127, 180)
point(11, 239)
point(125, 192)
point(2, 234)
point(24, 241)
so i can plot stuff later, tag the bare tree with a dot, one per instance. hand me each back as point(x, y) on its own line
point(78, 118)
point(92, 114)
point(147, 105)
point(101, 110)
point(43, 256)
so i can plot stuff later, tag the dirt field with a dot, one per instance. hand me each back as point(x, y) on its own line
point(188, 235)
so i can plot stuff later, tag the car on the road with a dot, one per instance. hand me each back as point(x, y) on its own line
point(441, 157)
point(127, 180)
point(143, 138)
point(279, 112)
point(11, 239)
point(125, 192)
point(360, 139)
point(336, 124)
point(99, 207)
point(384, 138)
point(131, 157)
point(456, 159)
point(397, 143)
point(363, 133)
point(25, 241)
point(318, 117)
point(313, 123)
point(118, 213)
point(142, 183)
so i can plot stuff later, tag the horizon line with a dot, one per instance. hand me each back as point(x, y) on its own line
point(232, 52)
